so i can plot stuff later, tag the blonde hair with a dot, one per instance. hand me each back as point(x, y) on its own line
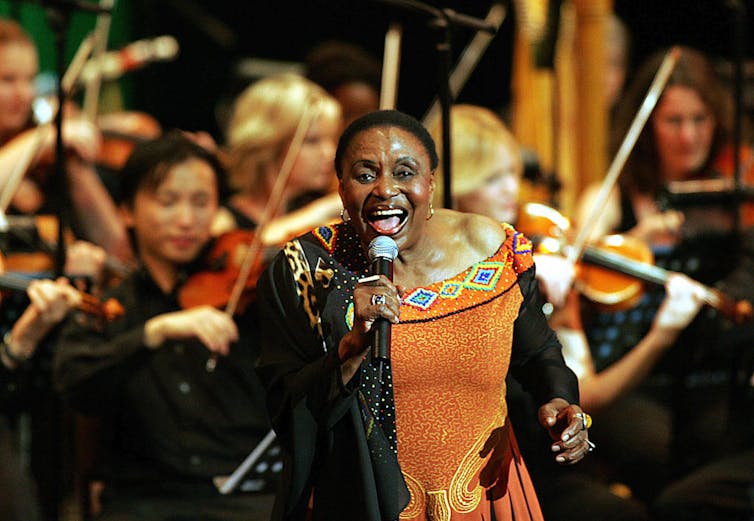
point(264, 119)
point(477, 134)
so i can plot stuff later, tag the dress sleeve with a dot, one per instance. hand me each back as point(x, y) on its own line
point(537, 361)
point(300, 373)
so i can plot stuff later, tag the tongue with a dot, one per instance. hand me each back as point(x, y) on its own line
point(386, 226)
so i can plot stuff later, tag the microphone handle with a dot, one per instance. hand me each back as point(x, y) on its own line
point(381, 327)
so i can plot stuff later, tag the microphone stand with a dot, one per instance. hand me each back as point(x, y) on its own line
point(444, 20)
point(58, 19)
point(58, 15)
point(739, 48)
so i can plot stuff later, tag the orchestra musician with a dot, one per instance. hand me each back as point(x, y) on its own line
point(680, 407)
point(28, 327)
point(22, 143)
point(171, 424)
point(264, 121)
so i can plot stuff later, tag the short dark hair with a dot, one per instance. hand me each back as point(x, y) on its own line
point(149, 163)
point(386, 118)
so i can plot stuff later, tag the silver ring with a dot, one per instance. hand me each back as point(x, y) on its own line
point(378, 300)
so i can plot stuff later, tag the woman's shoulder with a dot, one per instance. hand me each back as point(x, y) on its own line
point(475, 232)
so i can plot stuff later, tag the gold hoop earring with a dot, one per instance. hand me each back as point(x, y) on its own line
point(344, 215)
point(431, 211)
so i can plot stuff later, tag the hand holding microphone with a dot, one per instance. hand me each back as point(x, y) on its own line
point(376, 306)
point(382, 253)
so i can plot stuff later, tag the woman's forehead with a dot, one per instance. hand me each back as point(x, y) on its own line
point(387, 139)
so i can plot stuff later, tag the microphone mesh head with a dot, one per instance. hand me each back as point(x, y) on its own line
point(384, 247)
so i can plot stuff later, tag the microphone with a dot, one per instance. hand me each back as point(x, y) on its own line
point(382, 252)
point(113, 64)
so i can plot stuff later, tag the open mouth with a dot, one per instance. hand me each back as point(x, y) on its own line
point(387, 221)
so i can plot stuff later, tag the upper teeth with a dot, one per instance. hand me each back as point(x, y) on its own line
point(384, 213)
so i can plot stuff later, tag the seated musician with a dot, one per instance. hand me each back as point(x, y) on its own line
point(688, 139)
point(30, 148)
point(265, 119)
point(28, 325)
point(177, 423)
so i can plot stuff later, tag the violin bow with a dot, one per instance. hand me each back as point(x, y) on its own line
point(634, 131)
point(101, 34)
point(270, 209)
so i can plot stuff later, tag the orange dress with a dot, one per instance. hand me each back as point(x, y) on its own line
point(457, 453)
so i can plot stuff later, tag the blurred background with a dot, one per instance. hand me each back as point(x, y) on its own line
point(222, 40)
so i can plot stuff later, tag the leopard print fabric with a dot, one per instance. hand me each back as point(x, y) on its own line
point(305, 282)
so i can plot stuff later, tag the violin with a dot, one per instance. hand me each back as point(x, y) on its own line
point(611, 272)
point(214, 285)
point(110, 310)
point(41, 232)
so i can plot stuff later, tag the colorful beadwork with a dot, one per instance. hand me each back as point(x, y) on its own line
point(327, 236)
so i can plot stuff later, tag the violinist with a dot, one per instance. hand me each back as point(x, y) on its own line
point(265, 119)
point(487, 168)
point(175, 425)
point(28, 327)
point(688, 138)
point(94, 215)
point(687, 133)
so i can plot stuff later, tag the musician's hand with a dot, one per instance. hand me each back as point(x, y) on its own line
point(658, 226)
point(79, 135)
point(52, 299)
point(84, 259)
point(555, 274)
point(213, 328)
point(683, 299)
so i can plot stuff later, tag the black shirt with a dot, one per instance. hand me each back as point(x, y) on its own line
point(170, 420)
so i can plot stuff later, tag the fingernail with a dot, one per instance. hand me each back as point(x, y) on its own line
point(555, 448)
point(566, 437)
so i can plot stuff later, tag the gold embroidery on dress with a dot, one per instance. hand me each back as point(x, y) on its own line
point(462, 499)
point(458, 498)
point(418, 502)
point(438, 508)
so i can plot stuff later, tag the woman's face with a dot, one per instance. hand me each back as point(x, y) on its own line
point(683, 128)
point(387, 185)
point(312, 170)
point(498, 196)
point(18, 67)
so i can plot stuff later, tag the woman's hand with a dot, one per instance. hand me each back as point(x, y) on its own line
point(212, 327)
point(659, 226)
point(683, 299)
point(568, 427)
point(555, 274)
point(373, 297)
